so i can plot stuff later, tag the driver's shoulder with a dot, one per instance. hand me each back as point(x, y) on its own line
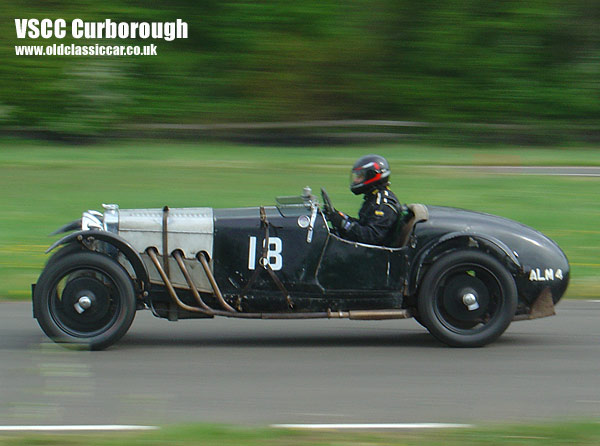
point(386, 199)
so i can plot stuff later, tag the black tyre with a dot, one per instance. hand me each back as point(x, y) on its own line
point(85, 298)
point(467, 299)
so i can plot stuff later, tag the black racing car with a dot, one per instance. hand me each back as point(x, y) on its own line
point(463, 275)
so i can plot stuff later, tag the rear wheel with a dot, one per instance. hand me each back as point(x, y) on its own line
point(467, 299)
point(85, 298)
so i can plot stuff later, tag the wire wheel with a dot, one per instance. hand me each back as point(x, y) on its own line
point(467, 299)
point(85, 298)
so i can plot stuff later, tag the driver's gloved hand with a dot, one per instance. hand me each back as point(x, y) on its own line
point(338, 219)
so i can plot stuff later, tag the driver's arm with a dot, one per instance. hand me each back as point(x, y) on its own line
point(339, 220)
point(375, 229)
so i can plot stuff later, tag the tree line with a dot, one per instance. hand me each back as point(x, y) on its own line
point(446, 61)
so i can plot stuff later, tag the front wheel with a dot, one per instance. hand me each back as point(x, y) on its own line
point(85, 298)
point(467, 299)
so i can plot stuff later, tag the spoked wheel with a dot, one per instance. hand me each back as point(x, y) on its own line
point(85, 298)
point(467, 299)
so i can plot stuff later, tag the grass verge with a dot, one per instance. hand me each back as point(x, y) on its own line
point(47, 185)
point(555, 434)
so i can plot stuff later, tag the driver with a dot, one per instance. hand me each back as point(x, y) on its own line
point(378, 216)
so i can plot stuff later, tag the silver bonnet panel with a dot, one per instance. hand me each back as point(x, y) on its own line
point(189, 229)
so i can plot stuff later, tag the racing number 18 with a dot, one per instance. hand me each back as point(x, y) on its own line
point(274, 249)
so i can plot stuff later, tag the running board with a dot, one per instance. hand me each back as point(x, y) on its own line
point(363, 315)
point(378, 315)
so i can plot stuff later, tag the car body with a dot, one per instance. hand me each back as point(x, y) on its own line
point(463, 275)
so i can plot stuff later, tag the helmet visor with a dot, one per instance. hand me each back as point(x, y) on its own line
point(357, 177)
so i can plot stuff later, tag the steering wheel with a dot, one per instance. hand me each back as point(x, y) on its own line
point(327, 207)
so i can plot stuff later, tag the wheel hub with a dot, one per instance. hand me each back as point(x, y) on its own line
point(83, 304)
point(465, 298)
point(470, 300)
point(86, 299)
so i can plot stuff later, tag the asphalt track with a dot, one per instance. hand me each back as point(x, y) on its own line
point(317, 371)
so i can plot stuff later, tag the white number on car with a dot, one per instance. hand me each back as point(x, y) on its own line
point(274, 258)
point(537, 275)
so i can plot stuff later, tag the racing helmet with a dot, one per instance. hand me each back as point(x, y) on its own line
point(369, 172)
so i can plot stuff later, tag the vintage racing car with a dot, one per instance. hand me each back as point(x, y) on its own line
point(463, 275)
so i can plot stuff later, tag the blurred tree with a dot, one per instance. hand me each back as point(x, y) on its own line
point(442, 61)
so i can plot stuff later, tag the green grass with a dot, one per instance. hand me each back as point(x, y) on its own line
point(46, 185)
point(556, 434)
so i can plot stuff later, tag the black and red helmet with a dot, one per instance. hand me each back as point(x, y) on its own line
point(369, 172)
